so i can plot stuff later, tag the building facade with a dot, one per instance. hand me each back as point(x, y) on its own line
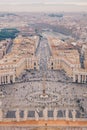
point(66, 57)
point(21, 57)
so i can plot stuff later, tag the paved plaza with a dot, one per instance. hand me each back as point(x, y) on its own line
point(60, 92)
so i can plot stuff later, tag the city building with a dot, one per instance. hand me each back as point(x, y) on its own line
point(66, 57)
point(21, 57)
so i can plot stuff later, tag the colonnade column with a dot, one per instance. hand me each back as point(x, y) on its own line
point(4, 79)
point(55, 114)
point(79, 79)
point(8, 78)
point(17, 115)
point(0, 79)
point(74, 78)
point(74, 115)
point(85, 78)
point(67, 114)
point(25, 114)
point(36, 116)
point(82, 78)
point(13, 78)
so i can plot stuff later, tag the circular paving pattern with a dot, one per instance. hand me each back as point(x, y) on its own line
point(40, 98)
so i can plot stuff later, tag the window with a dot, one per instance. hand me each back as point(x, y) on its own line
point(52, 63)
point(51, 68)
point(34, 63)
point(34, 68)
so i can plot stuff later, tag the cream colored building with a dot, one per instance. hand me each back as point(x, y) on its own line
point(85, 56)
point(22, 57)
point(66, 57)
point(80, 75)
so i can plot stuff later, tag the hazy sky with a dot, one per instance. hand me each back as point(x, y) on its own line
point(44, 1)
point(61, 5)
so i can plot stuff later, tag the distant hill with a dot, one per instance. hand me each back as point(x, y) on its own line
point(7, 14)
point(56, 15)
